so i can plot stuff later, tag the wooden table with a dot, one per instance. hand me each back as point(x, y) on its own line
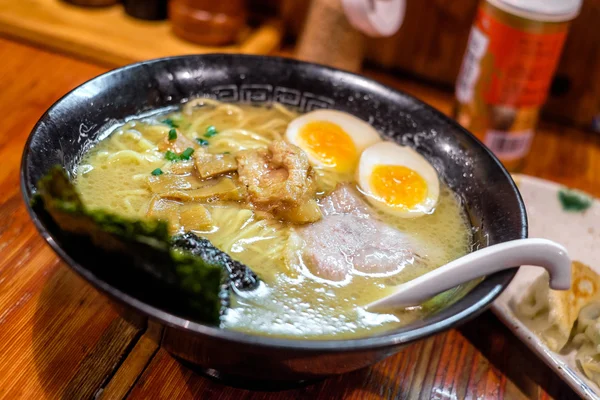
point(59, 338)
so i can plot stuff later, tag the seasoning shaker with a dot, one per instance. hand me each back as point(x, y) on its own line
point(512, 54)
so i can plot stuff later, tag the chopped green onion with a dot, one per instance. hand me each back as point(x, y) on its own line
point(202, 142)
point(157, 172)
point(169, 155)
point(226, 152)
point(186, 154)
point(574, 201)
point(170, 122)
point(210, 131)
point(172, 134)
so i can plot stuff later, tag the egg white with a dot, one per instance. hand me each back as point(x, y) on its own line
point(360, 132)
point(388, 153)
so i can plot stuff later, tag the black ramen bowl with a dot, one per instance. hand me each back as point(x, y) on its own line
point(76, 121)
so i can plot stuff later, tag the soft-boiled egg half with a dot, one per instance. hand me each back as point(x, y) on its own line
point(331, 139)
point(398, 180)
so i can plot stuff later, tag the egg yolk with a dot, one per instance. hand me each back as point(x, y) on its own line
point(330, 144)
point(398, 186)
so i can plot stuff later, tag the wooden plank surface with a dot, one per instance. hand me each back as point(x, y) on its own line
point(482, 360)
point(108, 36)
point(135, 363)
point(61, 339)
point(58, 336)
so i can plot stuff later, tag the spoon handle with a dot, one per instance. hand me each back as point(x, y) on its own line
point(539, 252)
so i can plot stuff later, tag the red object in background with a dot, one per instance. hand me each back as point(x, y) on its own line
point(208, 22)
point(524, 61)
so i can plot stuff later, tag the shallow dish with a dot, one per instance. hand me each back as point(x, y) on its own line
point(486, 190)
point(577, 231)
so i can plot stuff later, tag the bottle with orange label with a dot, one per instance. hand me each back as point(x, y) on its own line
point(511, 56)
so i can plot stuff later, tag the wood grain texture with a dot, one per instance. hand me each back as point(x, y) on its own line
point(60, 339)
point(431, 41)
point(430, 44)
point(134, 365)
point(482, 360)
point(58, 336)
point(576, 95)
point(108, 36)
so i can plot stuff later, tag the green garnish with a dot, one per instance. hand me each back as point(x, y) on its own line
point(210, 131)
point(202, 142)
point(574, 201)
point(172, 134)
point(186, 154)
point(226, 152)
point(169, 155)
point(170, 122)
point(157, 172)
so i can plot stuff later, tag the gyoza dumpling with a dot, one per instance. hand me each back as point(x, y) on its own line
point(587, 341)
point(551, 314)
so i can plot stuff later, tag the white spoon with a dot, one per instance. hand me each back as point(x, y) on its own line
point(539, 252)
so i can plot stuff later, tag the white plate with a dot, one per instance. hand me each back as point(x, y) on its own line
point(579, 232)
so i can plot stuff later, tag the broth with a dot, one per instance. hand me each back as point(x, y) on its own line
point(292, 301)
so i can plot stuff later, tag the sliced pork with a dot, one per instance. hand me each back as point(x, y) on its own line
point(277, 178)
point(350, 237)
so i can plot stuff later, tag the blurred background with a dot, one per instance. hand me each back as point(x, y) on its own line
point(429, 47)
